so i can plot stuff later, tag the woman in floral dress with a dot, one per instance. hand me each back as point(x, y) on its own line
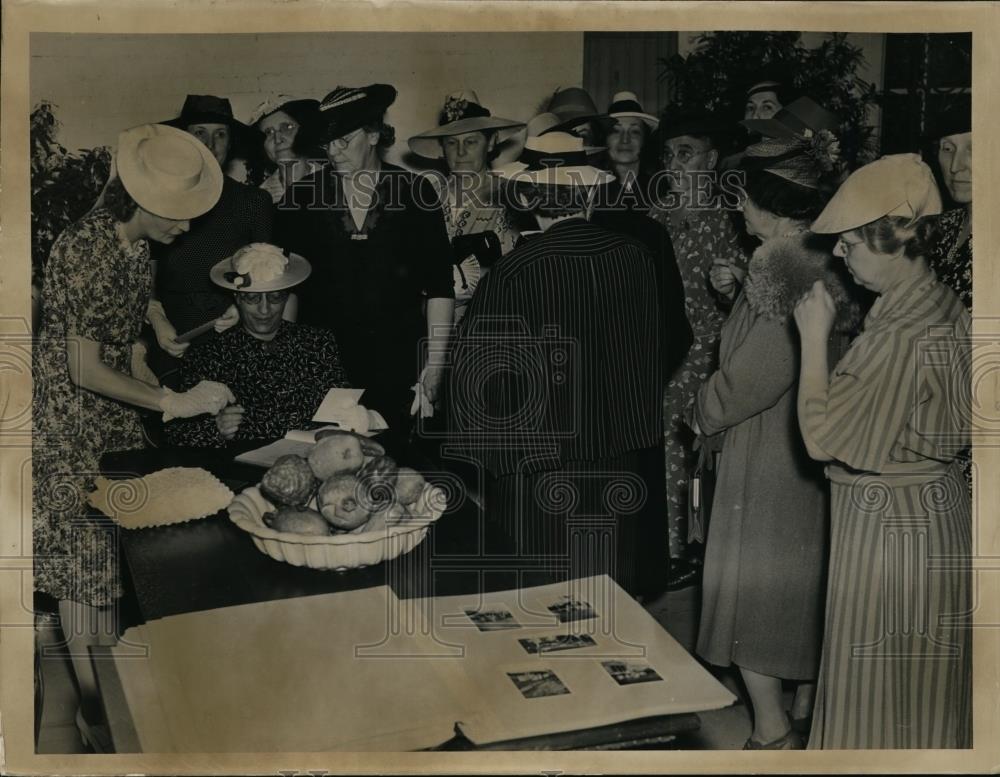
point(701, 238)
point(468, 138)
point(95, 296)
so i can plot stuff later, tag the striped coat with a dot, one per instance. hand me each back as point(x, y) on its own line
point(896, 669)
point(556, 384)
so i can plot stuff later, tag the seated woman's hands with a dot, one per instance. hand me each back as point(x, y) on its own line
point(206, 397)
point(228, 421)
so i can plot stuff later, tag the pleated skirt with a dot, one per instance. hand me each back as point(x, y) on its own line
point(896, 666)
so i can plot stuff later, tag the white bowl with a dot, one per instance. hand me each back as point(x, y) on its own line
point(338, 551)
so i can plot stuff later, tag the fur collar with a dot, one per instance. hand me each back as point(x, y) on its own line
point(782, 269)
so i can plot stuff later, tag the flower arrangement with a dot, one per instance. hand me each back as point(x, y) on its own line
point(454, 109)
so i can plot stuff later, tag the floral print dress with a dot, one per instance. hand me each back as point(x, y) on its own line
point(699, 237)
point(97, 285)
point(951, 259)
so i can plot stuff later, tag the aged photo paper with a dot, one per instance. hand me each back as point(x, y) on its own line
point(238, 658)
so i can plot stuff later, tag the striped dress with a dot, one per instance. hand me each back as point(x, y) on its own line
point(896, 667)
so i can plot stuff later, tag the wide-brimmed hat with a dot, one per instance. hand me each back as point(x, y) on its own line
point(348, 108)
point(954, 118)
point(463, 112)
point(897, 185)
point(547, 122)
point(274, 269)
point(206, 109)
point(800, 160)
point(556, 158)
point(168, 172)
point(574, 106)
point(281, 102)
point(693, 124)
point(627, 105)
point(800, 117)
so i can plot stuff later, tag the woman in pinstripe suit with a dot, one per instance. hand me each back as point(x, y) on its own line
point(896, 669)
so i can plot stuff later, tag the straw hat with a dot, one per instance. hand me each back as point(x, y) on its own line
point(168, 172)
point(281, 102)
point(573, 106)
point(556, 158)
point(897, 185)
point(274, 269)
point(463, 112)
point(627, 105)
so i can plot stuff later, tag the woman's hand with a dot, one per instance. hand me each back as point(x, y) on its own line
point(431, 379)
point(206, 397)
point(228, 421)
point(726, 278)
point(228, 319)
point(166, 335)
point(814, 314)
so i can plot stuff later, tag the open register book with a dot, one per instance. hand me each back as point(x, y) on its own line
point(362, 670)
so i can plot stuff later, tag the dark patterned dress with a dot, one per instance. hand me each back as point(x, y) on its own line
point(699, 237)
point(97, 286)
point(951, 259)
point(279, 383)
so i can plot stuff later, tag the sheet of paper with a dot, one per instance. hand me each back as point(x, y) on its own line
point(292, 675)
point(336, 399)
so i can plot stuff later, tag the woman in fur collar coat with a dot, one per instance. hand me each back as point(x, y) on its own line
point(762, 598)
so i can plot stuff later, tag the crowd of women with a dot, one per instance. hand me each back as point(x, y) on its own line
point(814, 334)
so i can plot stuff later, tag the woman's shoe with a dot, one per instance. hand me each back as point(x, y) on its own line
point(790, 741)
point(96, 737)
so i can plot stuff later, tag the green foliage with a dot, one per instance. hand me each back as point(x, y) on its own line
point(64, 184)
point(714, 77)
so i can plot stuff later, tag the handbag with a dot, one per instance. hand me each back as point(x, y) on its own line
point(701, 487)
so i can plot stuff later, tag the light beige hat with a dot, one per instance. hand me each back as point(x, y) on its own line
point(463, 112)
point(556, 158)
point(627, 105)
point(169, 172)
point(897, 185)
point(260, 267)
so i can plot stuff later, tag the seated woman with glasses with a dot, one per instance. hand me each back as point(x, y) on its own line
point(707, 246)
point(278, 371)
point(289, 127)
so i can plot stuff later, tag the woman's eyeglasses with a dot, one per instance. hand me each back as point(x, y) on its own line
point(285, 129)
point(254, 297)
point(345, 141)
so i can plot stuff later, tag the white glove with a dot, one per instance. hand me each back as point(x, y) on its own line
point(228, 319)
point(206, 397)
point(139, 367)
point(166, 335)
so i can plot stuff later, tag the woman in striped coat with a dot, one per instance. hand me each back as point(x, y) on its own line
point(896, 669)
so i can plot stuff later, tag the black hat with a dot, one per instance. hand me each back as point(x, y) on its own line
point(693, 123)
point(206, 109)
point(347, 108)
point(953, 118)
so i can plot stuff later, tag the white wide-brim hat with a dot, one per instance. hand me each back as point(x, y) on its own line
point(168, 172)
point(627, 105)
point(554, 159)
point(463, 112)
point(224, 274)
point(896, 185)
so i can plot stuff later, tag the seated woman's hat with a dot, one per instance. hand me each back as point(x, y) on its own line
point(897, 185)
point(463, 112)
point(260, 267)
point(348, 108)
point(167, 171)
point(555, 158)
